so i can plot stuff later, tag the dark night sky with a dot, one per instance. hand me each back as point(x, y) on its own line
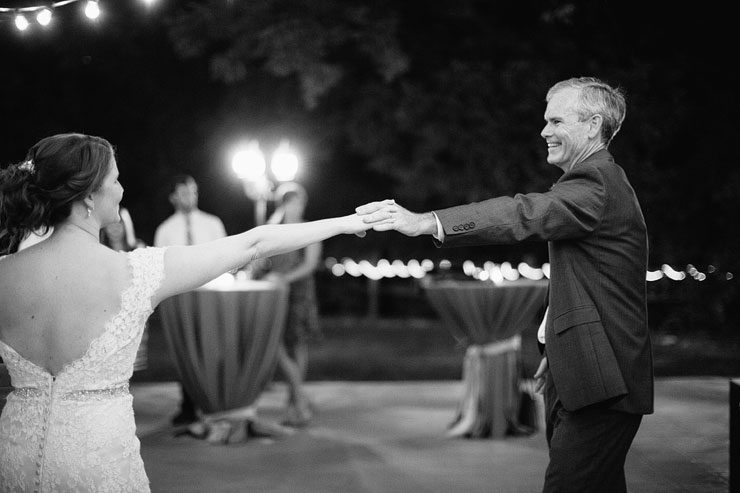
point(120, 78)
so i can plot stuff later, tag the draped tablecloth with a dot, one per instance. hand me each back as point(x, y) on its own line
point(224, 339)
point(489, 317)
point(5, 387)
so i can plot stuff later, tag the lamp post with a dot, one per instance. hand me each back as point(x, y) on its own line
point(250, 165)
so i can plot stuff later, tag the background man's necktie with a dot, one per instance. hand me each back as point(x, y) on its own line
point(188, 230)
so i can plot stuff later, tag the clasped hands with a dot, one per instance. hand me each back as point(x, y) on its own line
point(387, 215)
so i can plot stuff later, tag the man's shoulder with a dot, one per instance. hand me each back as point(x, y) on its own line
point(203, 213)
point(601, 161)
point(207, 216)
point(605, 166)
point(594, 167)
point(166, 222)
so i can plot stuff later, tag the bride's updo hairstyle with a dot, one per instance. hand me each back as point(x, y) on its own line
point(38, 193)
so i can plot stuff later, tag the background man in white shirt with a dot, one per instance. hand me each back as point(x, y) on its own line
point(187, 226)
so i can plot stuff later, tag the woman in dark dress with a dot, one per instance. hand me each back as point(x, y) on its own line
point(302, 325)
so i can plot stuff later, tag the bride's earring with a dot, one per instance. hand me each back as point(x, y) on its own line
point(89, 211)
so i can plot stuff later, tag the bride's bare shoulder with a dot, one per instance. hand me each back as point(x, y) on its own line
point(7, 262)
point(37, 266)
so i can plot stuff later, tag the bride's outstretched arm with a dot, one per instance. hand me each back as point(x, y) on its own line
point(189, 267)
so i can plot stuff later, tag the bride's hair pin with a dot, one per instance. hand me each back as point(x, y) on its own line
point(28, 166)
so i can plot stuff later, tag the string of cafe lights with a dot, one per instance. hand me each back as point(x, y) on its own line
point(43, 14)
point(490, 272)
point(493, 272)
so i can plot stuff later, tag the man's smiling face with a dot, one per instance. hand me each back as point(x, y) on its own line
point(566, 135)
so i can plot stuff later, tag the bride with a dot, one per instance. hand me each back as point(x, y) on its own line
point(72, 314)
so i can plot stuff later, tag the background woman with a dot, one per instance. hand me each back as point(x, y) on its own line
point(302, 325)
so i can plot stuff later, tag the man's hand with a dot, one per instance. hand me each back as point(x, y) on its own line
point(404, 221)
point(381, 213)
point(540, 375)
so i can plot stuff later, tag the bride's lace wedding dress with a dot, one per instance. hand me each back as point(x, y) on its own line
point(75, 431)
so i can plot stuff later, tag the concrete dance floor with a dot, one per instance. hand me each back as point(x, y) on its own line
point(389, 437)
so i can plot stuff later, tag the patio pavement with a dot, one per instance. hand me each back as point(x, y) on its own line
point(389, 437)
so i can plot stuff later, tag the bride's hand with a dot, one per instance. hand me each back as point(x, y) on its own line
point(383, 215)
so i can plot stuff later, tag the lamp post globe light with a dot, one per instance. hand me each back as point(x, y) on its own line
point(284, 163)
point(250, 166)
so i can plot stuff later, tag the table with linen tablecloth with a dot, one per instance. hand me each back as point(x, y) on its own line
point(224, 339)
point(489, 317)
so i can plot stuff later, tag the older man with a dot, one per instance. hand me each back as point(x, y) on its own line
point(597, 371)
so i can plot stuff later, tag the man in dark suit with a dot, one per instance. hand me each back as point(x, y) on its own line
point(596, 371)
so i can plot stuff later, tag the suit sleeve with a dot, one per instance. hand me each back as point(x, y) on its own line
point(572, 208)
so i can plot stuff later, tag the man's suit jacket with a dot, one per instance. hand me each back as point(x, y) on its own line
point(596, 337)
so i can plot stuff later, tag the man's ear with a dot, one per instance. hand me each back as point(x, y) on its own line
point(594, 125)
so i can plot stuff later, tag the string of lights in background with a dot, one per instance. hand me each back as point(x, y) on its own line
point(43, 15)
point(487, 272)
point(491, 271)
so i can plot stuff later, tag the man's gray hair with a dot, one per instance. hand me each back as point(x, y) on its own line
point(596, 97)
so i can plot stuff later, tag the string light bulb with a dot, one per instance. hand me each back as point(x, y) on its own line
point(43, 12)
point(43, 17)
point(92, 9)
point(21, 22)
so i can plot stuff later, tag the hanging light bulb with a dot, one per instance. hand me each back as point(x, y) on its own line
point(44, 17)
point(92, 9)
point(21, 22)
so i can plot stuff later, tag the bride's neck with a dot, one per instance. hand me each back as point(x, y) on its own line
point(85, 230)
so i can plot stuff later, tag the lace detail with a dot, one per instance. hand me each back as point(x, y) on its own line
point(76, 431)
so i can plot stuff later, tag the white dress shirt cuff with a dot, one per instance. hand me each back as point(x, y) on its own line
point(541, 329)
point(440, 235)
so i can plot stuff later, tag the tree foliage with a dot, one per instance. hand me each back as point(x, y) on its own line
point(318, 43)
point(445, 99)
point(434, 103)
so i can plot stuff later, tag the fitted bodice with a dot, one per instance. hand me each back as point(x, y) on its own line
point(75, 431)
